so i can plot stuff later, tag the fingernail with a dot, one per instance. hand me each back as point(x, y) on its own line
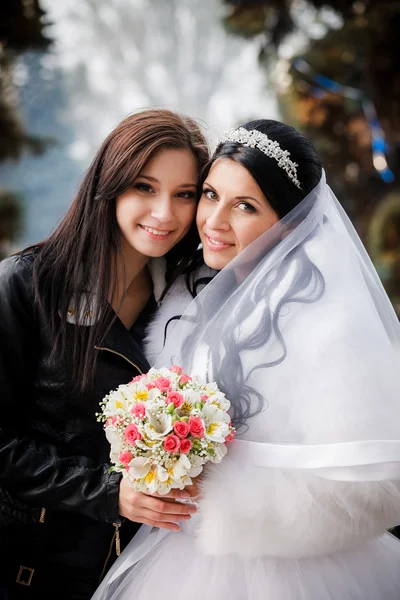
point(185, 495)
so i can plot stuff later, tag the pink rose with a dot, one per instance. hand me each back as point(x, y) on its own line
point(230, 437)
point(125, 457)
point(205, 397)
point(132, 434)
point(181, 428)
point(196, 427)
point(176, 369)
point(163, 384)
point(139, 410)
point(172, 443)
point(176, 398)
point(137, 378)
point(184, 379)
point(185, 446)
point(150, 386)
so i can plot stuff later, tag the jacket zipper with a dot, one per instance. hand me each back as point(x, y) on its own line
point(121, 355)
point(115, 538)
point(42, 515)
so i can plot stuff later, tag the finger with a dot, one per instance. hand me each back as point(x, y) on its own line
point(160, 518)
point(162, 507)
point(169, 526)
point(174, 494)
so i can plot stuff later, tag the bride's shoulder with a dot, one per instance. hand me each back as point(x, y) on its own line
point(172, 306)
point(189, 285)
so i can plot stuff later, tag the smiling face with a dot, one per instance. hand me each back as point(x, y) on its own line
point(157, 211)
point(232, 212)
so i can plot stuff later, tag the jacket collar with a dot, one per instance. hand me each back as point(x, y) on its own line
point(119, 339)
point(123, 342)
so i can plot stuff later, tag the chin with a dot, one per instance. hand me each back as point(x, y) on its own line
point(153, 250)
point(215, 262)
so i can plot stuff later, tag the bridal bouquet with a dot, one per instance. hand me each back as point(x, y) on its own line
point(163, 427)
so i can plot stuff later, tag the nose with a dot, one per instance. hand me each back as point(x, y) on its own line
point(162, 209)
point(218, 218)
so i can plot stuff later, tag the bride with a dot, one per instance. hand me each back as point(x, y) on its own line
point(285, 311)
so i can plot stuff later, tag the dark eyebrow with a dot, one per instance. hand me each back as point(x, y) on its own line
point(148, 178)
point(153, 179)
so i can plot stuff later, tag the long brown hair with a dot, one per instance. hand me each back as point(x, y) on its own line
point(85, 249)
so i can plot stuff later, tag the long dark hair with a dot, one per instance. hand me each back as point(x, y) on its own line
point(283, 196)
point(85, 249)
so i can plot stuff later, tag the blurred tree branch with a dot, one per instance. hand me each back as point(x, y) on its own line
point(21, 29)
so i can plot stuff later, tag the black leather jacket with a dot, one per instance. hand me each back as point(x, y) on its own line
point(58, 502)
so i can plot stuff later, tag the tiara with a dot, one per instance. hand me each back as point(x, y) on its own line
point(256, 139)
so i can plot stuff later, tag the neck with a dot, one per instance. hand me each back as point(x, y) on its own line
point(128, 270)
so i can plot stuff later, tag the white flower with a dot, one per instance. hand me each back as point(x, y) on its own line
point(117, 401)
point(195, 471)
point(158, 425)
point(148, 445)
point(140, 393)
point(196, 461)
point(218, 399)
point(197, 381)
point(191, 396)
point(139, 467)
point(211, 388)
point(220, 451)
point(181, 467)
point(162, 474)
point(115, 442)
point(216, 423)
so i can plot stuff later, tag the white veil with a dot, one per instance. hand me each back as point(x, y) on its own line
point(299, 331)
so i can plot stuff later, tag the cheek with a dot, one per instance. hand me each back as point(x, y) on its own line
point(120, 212)
point(126, 208)
point(254, 230)
point(187, 214)
point(201, 215)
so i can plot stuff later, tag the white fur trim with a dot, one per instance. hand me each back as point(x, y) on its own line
point(272, 512)
point(174, 304)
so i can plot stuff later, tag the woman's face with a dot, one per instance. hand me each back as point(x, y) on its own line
point(232, 212)
point(157, 211)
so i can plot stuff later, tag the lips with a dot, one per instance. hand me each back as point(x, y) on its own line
point(155, 231)
point(215, 243)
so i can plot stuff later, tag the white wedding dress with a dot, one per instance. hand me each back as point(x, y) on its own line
point(299, 507)
point(176, 569)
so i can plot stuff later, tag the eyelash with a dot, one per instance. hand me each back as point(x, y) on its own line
point(249, 207)
point(207, 191)
point(146, 188)
point(143, 187)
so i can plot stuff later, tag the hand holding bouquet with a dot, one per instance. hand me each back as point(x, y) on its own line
point(163, 427)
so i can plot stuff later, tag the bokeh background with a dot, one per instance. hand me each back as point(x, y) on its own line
point(70, 70)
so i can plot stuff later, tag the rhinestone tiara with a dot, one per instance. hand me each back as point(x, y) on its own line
point(256, 139)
